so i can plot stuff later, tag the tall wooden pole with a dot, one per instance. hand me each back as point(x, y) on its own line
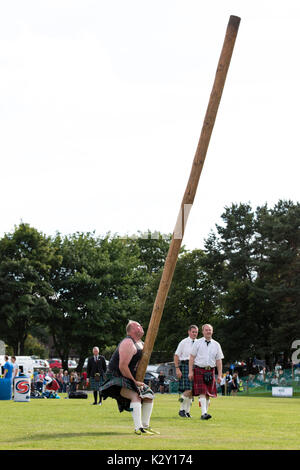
point(190, 192)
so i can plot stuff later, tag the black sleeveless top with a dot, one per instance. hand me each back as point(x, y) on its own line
point(113, 365)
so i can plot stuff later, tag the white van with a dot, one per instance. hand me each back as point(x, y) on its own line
point(25, 363)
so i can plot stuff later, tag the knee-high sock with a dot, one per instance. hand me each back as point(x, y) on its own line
point(136, 414)
point(207, 403)
point(95, 395)
point(188, 405)
point(203, 405)
point(182, 403)
point(146, 413)
point(186, 402)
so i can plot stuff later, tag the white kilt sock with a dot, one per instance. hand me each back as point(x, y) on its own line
point(203, 405)
point(182, 405)
point(146, 413)
point(188, 406)
point(136, 414)
point(207, 403)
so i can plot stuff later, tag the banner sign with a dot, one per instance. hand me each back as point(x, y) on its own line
point(282, 391)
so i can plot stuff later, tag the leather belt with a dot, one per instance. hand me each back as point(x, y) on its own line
point(206, 368)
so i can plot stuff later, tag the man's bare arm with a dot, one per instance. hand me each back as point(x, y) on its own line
point(191, 367)
point(126, 352)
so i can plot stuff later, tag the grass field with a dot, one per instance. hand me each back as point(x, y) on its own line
point(237, 423)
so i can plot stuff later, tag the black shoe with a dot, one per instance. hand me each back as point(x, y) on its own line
point(95, 403)
point(188, 415)
point(206, 416)
point(182, 414)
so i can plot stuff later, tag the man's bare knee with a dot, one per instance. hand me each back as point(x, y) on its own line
point(130, 395)
point(147, 400)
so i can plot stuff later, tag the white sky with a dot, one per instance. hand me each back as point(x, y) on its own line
point(102, 104)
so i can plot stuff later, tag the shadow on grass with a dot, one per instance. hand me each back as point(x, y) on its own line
point(67, 435)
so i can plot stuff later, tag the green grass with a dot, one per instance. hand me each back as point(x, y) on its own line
point(237, 423)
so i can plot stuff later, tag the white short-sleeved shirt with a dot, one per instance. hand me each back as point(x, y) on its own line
point(184, 349)
point(206, 355)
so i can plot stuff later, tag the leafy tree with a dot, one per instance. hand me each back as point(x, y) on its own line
point(26, 257)
point(279, 244)
point(95, 293)
point(253, 261)
point(190, 301)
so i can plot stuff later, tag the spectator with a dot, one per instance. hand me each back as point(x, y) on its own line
point(50, 373)
point(35, 378)
point(235, 384)
point(222, 384)
point(8, 369)
point(96, 368)
point(39, 382)
point(59, 379)
point(277, 369)
point(73, 382)
point(15, 366)
point(228, 379)
point(161, 381)
point(66, 381)
point(274, 380)
point(84, 380)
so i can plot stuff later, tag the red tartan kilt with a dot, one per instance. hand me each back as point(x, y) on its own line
point(201, 388)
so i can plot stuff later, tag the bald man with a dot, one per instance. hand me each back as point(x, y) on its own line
point(131, 395)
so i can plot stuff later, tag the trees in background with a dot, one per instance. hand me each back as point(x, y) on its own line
point(82, 289)
point(253, 260)
point(26, 256)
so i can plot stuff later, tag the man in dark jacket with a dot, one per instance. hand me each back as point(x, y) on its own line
point(96, 369)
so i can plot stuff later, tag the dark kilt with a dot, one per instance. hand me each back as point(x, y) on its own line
point(112, 387)
point(184, 382)
point(96, 384)
point(201, 388)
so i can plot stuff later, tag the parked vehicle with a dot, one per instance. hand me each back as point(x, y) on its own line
point(152, 368)
point(151, 379)
point(55, 363)
point(40, 363)
point(58, 364)
point(25, 363)
point(72, 364)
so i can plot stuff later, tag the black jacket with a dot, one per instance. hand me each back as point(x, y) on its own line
point(96, 366)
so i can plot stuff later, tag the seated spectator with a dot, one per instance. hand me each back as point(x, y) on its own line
point(274, 380)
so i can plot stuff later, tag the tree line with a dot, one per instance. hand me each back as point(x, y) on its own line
point(81, 289)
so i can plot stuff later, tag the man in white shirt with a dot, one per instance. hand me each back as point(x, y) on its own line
point(206, 354)
point(181, 360)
